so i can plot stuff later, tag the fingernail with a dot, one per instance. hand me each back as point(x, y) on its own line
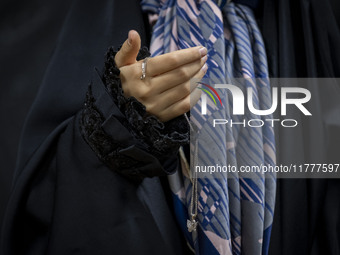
point(204, 58)
point(129, 38)
point(203, 51)
point(204, 68)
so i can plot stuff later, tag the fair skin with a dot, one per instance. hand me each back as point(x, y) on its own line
point(166, 92)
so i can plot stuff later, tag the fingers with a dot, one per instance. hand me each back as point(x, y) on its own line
point(128, 53)
point(185, 97)
point(166, 92)
point(176, 93)
point(194, 97)
point(175, 110)
point(167, 62)
point(171, 103)
point(181, 106)
point(179, 75)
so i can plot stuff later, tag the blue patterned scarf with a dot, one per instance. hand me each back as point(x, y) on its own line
point(235, 214)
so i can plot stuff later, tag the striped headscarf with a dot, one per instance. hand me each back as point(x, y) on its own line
point(235, 214)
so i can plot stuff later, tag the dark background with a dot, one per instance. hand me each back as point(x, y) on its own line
point(28, 35)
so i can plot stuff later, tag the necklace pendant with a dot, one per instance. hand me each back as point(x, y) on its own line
point(192, 225)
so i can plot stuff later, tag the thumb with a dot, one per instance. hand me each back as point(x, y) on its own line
point(128, 53)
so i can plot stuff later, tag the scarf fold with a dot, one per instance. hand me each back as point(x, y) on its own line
point(235, 213)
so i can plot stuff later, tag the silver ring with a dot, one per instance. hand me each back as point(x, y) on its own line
point(144, 68)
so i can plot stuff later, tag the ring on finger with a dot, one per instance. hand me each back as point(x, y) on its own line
point(144, 68)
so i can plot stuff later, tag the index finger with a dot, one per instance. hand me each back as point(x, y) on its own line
point(169, 61)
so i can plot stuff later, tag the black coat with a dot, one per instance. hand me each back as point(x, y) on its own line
point(65, 200)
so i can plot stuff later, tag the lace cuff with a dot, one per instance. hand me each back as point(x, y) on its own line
point(122, 134)
point(158, 138)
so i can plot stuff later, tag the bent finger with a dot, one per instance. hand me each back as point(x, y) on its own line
point(179, 75)
point(181, 106)
point(169, 61)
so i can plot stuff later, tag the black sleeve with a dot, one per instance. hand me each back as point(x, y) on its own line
point(79, 193)
point(122, 134)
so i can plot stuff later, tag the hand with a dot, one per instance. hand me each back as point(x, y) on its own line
point(166, 91)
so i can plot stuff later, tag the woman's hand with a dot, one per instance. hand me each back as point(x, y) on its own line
point(166, 91)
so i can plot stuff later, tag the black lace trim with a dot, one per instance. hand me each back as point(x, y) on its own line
point(158, 137)
point(105, 147)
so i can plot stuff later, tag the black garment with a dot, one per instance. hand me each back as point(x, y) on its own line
point(144, 143)
point(28, 35)
point(65, 200)
point(302, 39)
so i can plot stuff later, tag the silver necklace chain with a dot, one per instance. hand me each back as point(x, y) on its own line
point(192, 222)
